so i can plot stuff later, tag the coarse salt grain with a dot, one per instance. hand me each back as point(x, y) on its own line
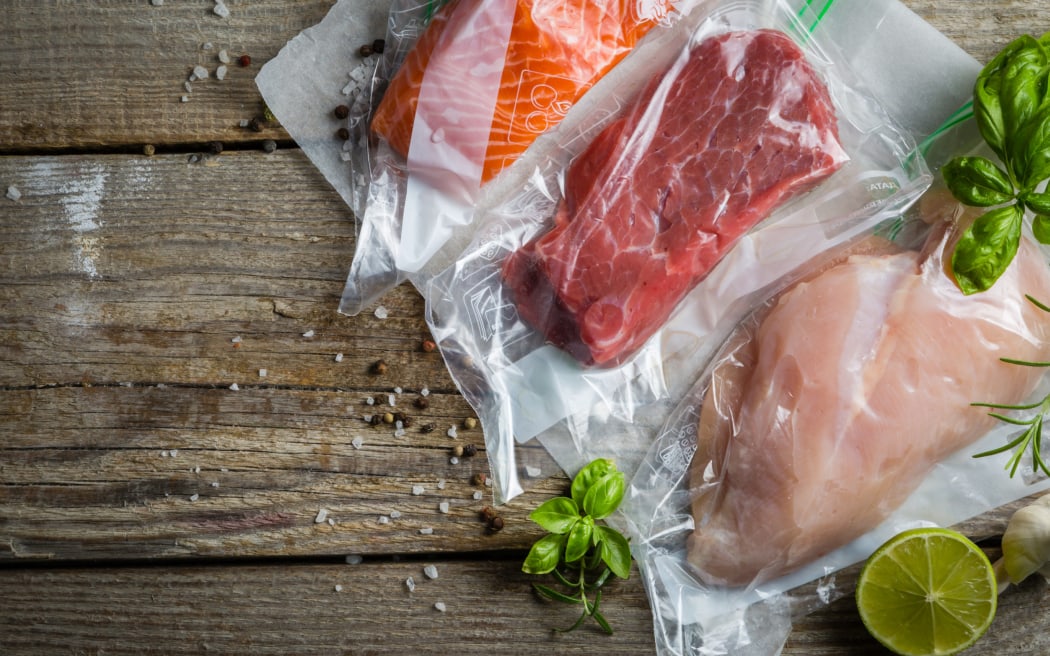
point(383, 519)
point(424, 392)
point(262, 373)
point(451, 432)
point(417, 490)
point(381, 312)
point(187, 86)
point(200, 72)
point(338, 588)
point(322, 515)
point(410, 584)
point(426, 531)
point(224, 56)
point(194, 497)
point(338, 357)
point(163, 454)
point(453, 460)
point(354, 559)
point(370, 401)
point(441, 484)
point(221, 10)
point(184, 99)
point(331, 521)
point(234, 387)
point(399, 432)
point(478, 495)
point(173, 453)
point(395, 514)
point(244, 122)
point(357, 442)
point(156, 3)
point(13, 193)
point(308, 333)
point(431, 571)
point(443, 507)
point(236, 340)
point(397, 390)
point(391, 399)
point(220, 72)
point(215, 483)
point(532, 472)
point(439, 606)
point(197, 469)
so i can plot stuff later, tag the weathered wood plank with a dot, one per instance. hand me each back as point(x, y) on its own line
point(281, 608)
point(105, 73)
point(118, 83)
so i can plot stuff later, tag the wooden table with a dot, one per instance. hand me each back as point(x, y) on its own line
point(159, 491)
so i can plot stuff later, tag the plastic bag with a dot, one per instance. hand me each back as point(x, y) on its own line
point(523, 387)
point(464, 88)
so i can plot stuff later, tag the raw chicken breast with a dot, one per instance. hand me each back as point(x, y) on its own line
point(827, 412)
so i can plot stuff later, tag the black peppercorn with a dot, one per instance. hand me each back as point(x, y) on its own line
point(422, 403)
point(256, 124)
point(496, 523)
point(378, 46)
point(379, 367)
point(343, 133)
point(470, 450)
point(215, 147)
point(342, 111)
point(426, 428)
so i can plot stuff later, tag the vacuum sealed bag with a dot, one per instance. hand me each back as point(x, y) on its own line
point(587, 299)
point(463, 90)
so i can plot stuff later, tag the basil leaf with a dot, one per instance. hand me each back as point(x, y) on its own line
point(987, 248)
point(987, 109)
point(588, 475)
point(605, 495)
point(579, 540)
point(544, 554)
point(1041, 228)
point(1038, 203)
point(1031, 152)
point(1023, 85)
point(977, 181)
point(557, 515)
point(616, 552)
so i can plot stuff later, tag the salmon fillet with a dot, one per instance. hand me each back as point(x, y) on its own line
point(556, 52)
point(827, 412)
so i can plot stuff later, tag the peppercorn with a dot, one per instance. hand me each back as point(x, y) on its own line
point(343, 133)
point(378, 46)
point(470, 450)
point(376, 420)
point(426, 428)
point(478, 479)
point(215, 147)
point(496, 524)
point(256, 124)
point(365, 50)
point(342, 111)
point(457, 451)
point(488, 514)
point(269, 146)
point(388, 417)
point(379, 367)
point(405, 420)
point(421, 402)
point(470, 423)
point(429, 346)
point(148, 150)
point(245, 61)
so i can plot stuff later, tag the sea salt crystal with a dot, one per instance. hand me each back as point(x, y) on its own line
point(451, 432)
point(357, 442)
point(443, 507)
point(331, 521)
point(322, 515)
point(338, 588)
point(391, 399)
point(399, 432)
point(308, 333)
point(338, 357)
point(184, 99)
point(156, 3)
point(381, 312)
point(397, 390)
point(439, 606)
point(426, 531)
point(262, 373)
point(424, 392)
point(395, 514)
point(194, 497)
point(187, 86)
point(234, 387)
point(370, 401)
point(220, 72)
point(354, 559)
point(417, 490)
point(453, 460)
point(223, 469)
point(478, 495)
point(441, 484)
point(532, 472)
point(173, 453)
point(410, 584)
point(224, 56)
point(383, 519)
point(237, 339)
point(200, 72)
point(399, 424)
point(163, 454)
point(431, 571)
point(197, 469)
point(244, 122)
point(221, 10)
point(215, 483)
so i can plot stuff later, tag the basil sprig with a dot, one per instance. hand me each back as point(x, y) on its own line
point(580, 553)
point(1012, 109)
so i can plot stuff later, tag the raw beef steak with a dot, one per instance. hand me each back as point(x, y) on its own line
point(732, 131)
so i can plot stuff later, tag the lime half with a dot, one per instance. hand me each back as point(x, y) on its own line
point(927, 591)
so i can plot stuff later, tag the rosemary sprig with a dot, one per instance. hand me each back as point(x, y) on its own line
point(578, 552)
point(1031, 439)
